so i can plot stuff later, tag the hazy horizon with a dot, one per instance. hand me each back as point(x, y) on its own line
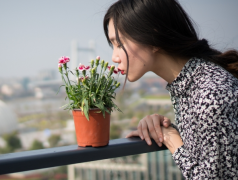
point(34, 34)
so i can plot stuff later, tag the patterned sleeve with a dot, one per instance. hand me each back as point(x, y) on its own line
point(174, 126)
point(215, 139)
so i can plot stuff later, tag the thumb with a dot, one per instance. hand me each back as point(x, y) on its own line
point(133, 133)
point(166, 122)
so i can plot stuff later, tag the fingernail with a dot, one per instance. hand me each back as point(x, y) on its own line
point(160, 139)
point(141, 137)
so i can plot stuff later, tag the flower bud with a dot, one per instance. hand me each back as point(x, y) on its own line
point(111, 70)
point(102, 63)
point(81, 79)
point(65, 66)
point(60, 68)
point(110, 82)
point(103, 78)
point(93, 70)
point(105, 65)
point(97, 60)
point(84, 72)
point(92, 63)
point(84, 80)
point(118, 84)
point(77, 72)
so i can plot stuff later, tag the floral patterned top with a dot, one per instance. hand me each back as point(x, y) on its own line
point(205, 101)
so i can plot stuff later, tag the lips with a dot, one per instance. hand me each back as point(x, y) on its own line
point(122, 71)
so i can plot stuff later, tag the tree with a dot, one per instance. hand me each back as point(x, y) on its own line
point(36, 145)
point(12, 143)
point(54, 140)
point(115, 131)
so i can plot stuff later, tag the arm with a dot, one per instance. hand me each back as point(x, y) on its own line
point(150, 127)
point(172, 139)
point(210, 146)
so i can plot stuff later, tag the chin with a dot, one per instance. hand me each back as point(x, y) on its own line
point(133, 79)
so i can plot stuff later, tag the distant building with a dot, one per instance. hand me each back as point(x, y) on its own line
point(8, 119)
point(150, 166)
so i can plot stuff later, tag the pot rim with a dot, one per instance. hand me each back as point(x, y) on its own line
point(89, 109)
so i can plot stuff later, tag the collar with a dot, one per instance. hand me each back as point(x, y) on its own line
point(181, 83)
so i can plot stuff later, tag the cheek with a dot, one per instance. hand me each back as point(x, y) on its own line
point(123, 58)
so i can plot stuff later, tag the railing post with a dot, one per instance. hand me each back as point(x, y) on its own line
point(71, 172)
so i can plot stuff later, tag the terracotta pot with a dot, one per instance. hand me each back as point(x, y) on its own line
point(94, 132)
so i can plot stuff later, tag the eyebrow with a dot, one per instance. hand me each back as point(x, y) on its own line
point(114, 39)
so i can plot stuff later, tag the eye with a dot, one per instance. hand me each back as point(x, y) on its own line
point(119, 46)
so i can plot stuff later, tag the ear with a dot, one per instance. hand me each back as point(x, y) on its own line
point(155, 49)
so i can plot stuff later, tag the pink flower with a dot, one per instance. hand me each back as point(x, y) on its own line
point(81, 67)
point(67, 59)
point(59, 66)
point(98, 58)
point(109, 67)
point(64, 60)
point(115, 71)
point(86, 67)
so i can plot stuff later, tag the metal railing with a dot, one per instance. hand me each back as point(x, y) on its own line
point(52, 157)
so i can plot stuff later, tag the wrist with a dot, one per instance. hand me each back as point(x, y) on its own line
point(172, 139)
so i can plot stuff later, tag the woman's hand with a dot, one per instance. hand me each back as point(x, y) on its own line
point(150, 126)
point(172, 139)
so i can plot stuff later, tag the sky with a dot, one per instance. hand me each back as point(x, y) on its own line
point(34, 34)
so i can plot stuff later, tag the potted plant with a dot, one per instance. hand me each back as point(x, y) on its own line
point(90, 98)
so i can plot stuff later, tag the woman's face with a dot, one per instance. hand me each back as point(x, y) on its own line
point(141, 57)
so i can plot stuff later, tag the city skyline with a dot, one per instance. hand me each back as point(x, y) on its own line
point(34, 34)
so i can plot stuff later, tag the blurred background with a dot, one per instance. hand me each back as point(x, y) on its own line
point(34, 34)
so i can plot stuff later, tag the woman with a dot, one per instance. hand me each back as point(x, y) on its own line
point(158, 36)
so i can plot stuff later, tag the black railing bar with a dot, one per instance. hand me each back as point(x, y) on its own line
point(59, 156)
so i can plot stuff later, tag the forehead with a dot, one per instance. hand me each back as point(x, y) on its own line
point(112, 33)
point(111, 29)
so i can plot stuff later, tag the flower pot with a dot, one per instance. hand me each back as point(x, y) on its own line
point(94, 132)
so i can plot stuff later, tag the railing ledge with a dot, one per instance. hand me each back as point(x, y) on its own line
point(59, 156)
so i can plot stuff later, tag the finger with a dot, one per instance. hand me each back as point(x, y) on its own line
point(158, 130)
point(145, 130)
point(139, 129)
point(133, 133)
point(166, 122)
point(152, 129)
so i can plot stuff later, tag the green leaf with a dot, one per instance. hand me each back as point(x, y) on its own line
point(86, 109)
point(59, 89)
point(71, 72)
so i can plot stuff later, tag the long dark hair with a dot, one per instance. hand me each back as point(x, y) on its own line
point(164, 24)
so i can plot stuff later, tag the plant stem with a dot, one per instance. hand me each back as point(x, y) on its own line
point(100, 79)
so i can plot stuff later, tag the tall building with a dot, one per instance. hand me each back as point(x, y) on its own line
point(8, 119)
point(149, 166)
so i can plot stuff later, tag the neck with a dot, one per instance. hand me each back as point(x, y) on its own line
point(168, 67)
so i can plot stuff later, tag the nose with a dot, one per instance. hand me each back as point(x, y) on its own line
point(115, 57)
